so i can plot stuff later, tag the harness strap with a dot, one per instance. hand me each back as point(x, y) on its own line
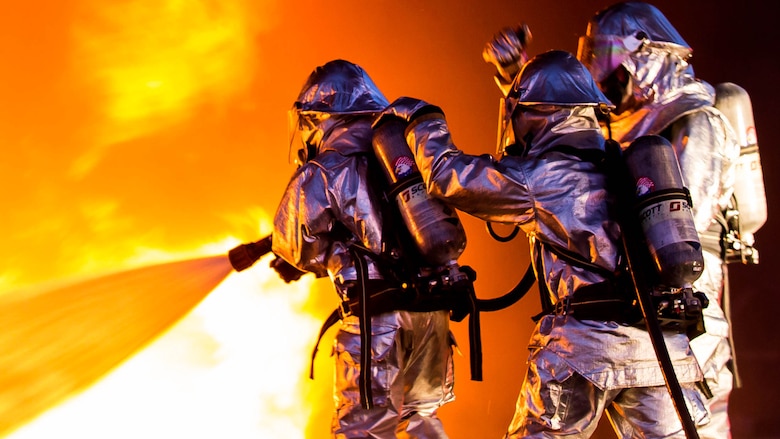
point(364, 319)
point(469, 305)
point(544, 292)
point(601, 301)
point(598, 302)
point(475, 336)
point(364, 379)
point(727, 310)
point(353, 307)
point(332, 319)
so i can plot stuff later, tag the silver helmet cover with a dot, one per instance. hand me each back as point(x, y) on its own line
point(340, 87)
point(616, 32)
point(638, 37)
point(334, 90)
point(557, 78)
point(553, 94)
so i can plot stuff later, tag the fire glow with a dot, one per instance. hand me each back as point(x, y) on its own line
point(161, 60)
point(116, 113)
point(235, 366)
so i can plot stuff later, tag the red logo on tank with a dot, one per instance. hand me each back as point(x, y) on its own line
point(403, 166)
point(644, 185)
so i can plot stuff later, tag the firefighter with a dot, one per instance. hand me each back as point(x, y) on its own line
point(642, 64)
point(330, 222)
point(584, 359)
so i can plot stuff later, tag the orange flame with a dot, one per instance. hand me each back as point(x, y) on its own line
point(155, 63)
point(236, 365)
point(117, 74)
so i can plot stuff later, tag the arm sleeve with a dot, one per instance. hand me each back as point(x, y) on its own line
point(706, 149)
point(477, 185)
point(302, 222)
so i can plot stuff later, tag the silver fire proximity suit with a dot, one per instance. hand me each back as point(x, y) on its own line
point(641, 63)
point(577, 368)
point(330, 205)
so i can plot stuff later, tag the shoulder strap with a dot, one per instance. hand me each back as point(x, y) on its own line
point(544, 292)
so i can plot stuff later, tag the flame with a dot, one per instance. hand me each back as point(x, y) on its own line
point(102, 76)
point(235, 366)
point(155, 63)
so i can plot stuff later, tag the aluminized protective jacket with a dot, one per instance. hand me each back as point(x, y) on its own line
point(409, 383)
point(577, 369)
point(331, 189)
point(561, 201)
point(672, 102)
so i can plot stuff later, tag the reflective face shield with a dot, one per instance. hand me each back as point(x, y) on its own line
point(603, 54)
point(304, 133)
point(620, 30)
point(295, 143)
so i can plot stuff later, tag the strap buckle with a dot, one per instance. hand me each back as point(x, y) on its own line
point(562, 307)
point(345, 309)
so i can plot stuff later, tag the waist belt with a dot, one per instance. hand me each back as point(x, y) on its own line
point(370, 297)
point(384, 297)
point(680, 311)
point(367, 297)
point(598, 302)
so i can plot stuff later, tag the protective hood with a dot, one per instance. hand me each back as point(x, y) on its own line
point(638, 37)
point(616, 32)
point(340, 87)
point(554, 97)
point(556, 78)
point(333, 95)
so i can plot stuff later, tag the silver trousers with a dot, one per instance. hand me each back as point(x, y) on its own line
point(411, 377)
point(556, 401)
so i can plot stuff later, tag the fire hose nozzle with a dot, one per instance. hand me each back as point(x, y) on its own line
point(245, 255)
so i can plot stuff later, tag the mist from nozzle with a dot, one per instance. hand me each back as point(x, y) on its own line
point(55, 343)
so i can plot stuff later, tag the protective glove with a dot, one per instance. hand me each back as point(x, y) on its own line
point(507, 52)
point(286, 271)
point(463, 295)
point(406, 109)
point(471, 274)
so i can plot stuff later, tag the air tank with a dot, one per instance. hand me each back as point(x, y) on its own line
point(434, 226)
point(664, 210)
point(734, 102)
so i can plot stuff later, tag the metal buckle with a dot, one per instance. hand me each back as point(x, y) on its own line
point(345, 309)
point(562, 307)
